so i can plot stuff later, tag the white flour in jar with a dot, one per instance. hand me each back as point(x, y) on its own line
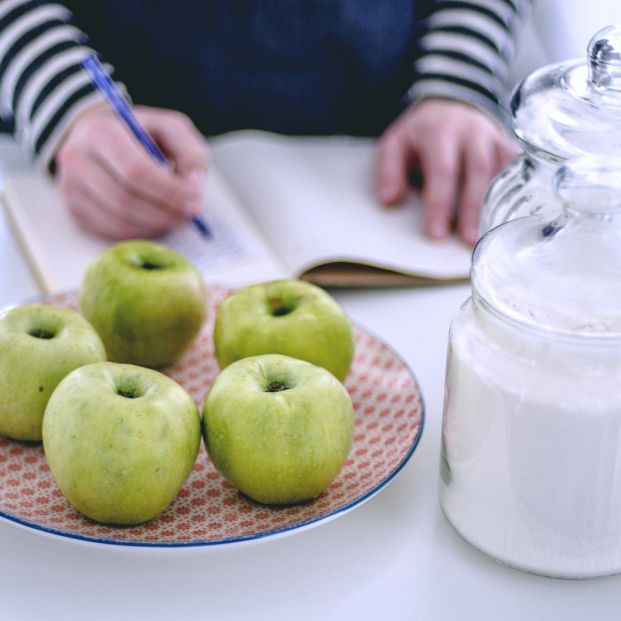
point(531, 470)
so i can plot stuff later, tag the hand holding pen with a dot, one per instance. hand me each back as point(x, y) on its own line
point(115, 188)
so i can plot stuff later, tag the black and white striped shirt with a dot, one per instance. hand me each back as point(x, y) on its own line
point(465, 50)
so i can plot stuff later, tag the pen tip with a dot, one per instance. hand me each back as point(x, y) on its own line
point(201, 225)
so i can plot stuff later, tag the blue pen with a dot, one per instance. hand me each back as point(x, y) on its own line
point(102, 80)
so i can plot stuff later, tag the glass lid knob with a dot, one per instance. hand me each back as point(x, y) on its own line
point(604, 54)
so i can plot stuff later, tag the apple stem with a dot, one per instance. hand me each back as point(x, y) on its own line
point(42, 334)
point(279, 311)
point(128, 394)
point(276, 386)
point(147, 265)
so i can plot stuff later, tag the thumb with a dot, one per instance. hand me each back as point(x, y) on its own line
point(182, 144)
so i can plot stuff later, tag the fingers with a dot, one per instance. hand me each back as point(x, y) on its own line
point(392, 168)
point(87, 185)
point(484, 156)
point(458, 149)
point(93, 219)
point(440, 167)
point(115, 188)
point(479, 167)
point(139, 174)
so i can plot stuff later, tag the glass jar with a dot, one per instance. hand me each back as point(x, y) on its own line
point(531, 441)
point(559, 112)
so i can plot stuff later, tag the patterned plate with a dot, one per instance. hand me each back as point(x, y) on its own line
point(208, 510)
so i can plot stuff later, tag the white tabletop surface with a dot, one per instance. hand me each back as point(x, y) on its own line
point(394, 557)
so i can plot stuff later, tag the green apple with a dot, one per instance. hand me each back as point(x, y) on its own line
point(120, 441)
point(146, 302)
point(288, 317)
point(39, 345)
point(277, 428)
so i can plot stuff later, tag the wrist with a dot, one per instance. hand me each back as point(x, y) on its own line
point(90, 106)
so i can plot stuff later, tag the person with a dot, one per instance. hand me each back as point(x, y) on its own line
point(425, 77)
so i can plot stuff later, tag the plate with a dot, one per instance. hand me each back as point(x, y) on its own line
point(208, 510)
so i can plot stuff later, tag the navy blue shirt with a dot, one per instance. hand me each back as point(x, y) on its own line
point(295, 67)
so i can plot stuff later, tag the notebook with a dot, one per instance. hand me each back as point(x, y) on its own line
point(278, 207)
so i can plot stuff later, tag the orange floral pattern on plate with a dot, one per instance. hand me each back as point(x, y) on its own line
point(208, 510)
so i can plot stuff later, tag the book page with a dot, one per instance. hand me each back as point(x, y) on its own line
point(314, 200)
point(59, 251)
point(237, 254)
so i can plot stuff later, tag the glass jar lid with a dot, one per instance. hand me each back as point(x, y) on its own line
point(561, 274)
point(573, 108)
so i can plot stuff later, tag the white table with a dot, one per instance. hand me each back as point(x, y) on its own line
point(394, 557)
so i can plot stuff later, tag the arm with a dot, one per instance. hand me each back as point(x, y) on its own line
point(42, 86)
point(111, 185)
point(452, 129)
point(466, 50)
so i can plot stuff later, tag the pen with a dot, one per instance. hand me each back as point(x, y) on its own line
point(104, 83)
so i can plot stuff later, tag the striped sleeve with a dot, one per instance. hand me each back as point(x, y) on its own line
point(42, 86)
point(466, 48)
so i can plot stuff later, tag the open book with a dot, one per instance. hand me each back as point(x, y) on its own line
point(277, 206)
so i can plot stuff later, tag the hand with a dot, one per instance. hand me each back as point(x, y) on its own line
point(115, 188)
point(457, 148)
